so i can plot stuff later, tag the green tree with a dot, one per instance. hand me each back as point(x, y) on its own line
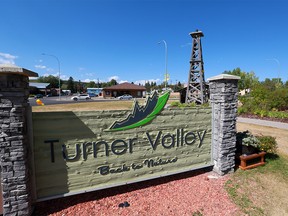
point(112, 82)
point(91, 84)
point(247, 80)
point(71, 85)
point(148, 86)
point(54, 81)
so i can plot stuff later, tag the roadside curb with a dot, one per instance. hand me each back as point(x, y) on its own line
point(265, 123)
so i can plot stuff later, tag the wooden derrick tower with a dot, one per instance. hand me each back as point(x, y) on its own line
point(196, 88)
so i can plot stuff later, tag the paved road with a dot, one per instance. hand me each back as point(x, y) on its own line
point(64, 100)
point(274, 124)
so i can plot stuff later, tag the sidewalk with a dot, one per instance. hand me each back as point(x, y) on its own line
point(266, 123)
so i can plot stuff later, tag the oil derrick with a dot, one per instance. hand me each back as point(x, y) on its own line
point(196, 89)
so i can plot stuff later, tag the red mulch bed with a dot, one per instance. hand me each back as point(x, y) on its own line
point(191, 193)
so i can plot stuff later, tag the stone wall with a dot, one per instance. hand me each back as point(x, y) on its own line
point(223, 99)
point(14, 108)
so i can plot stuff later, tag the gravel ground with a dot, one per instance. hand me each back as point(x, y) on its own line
point(191, 193)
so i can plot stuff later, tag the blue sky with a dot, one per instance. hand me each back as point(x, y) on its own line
point(97, 39)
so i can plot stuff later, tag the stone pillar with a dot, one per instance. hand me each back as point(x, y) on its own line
point(223, 98)
point(14, 140)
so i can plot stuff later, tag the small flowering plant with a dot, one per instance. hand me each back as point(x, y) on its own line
point(246, 143)
point(247, 139)
point(267, 144)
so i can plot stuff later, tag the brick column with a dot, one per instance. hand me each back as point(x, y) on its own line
point(14, 140)
point(223, 98)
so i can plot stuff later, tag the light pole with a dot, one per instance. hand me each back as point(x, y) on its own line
point(166, 75)
point(58, 71)
point(277, 61)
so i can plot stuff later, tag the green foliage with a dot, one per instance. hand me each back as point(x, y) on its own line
point(247, 80)
point(266, 99)
point(183, 105)
point(54, 81)
point(175, 104)
point(242, 110)
point(278, 114)
point(71, 85)
point(112, 82)
point(267, 144)
point(263, 143)
point(247, 139)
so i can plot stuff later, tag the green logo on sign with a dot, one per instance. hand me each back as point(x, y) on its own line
point(141, 115)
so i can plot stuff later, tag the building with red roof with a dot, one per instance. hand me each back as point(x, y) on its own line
point(136, 91)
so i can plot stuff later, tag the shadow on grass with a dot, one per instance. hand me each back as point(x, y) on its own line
point(56, 205)
point(271, 156)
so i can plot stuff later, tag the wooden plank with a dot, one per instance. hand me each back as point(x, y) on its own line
point(244, 159)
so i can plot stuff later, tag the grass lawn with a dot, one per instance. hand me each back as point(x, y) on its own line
point(262, 190)
point(87, 106)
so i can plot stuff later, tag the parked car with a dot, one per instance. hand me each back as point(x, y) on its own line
point(38, 96)
point(81, 97)
point(92, 95)
point(125, 97)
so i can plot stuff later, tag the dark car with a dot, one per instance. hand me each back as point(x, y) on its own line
point(92, 95)
point(38, 96)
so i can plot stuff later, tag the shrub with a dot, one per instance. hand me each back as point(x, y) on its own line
point(247, 139)
point(242, 110)
point(278, 114)
point(175, 104)
point(182, 105)
point(267, 144)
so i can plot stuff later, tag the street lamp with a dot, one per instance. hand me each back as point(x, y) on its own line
point(58, 71)
point(166, 75)
point(277, 61)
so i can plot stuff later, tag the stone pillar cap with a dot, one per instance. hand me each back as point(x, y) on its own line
point(13, 69)
point(223, 77)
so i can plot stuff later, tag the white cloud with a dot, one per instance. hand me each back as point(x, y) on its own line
point(40, 66)
point(81, 69)
point(89, 74)
point(6, 58)
point(45, 75)
point(64, 77)
point(185, 45)
point(142, 82)
point(94, 80)
point(88, 80)
point(122, 81)
point(113, 77)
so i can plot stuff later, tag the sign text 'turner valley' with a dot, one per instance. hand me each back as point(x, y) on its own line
point(120, 146)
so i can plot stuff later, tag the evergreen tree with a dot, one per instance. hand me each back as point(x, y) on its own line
point(71, 85)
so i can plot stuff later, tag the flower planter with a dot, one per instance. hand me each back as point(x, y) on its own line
point(248, 161)
point(248, 150)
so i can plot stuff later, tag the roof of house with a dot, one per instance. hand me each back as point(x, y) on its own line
point(11, 68)
point(39, 85)
point(125, 86)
